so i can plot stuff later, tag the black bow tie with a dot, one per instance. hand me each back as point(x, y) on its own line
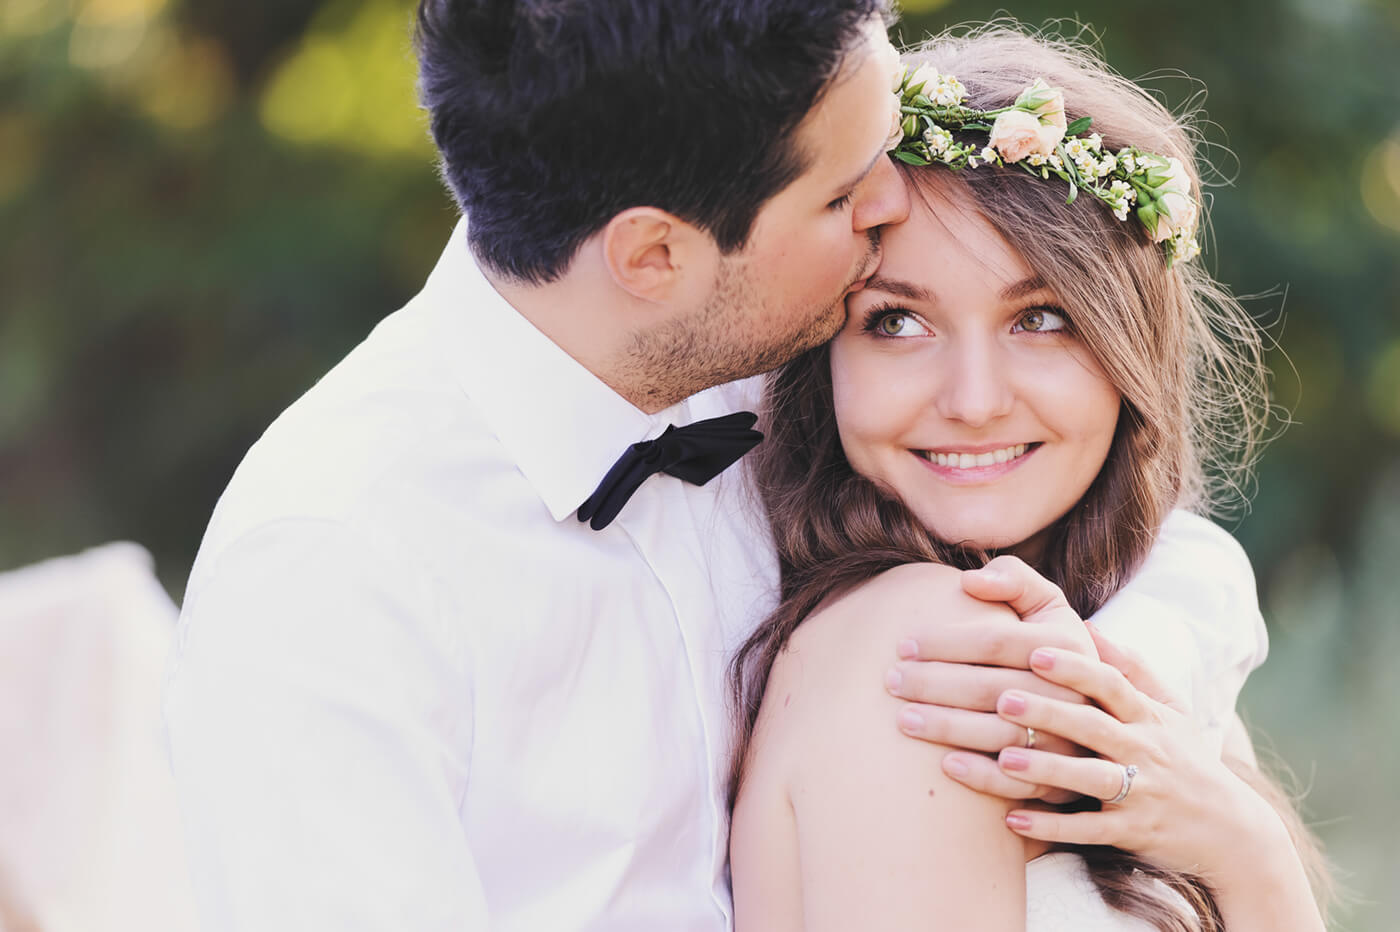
point(696, 453)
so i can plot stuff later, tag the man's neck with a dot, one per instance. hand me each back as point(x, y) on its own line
point(588, 317)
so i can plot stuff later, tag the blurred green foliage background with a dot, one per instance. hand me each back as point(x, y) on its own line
point(203, 205)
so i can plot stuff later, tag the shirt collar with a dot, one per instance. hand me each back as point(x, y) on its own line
point(563, 426)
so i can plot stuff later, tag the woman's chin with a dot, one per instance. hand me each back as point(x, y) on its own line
point(1012, 542)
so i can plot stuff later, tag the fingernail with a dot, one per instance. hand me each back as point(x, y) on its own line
point(1014, 759)
point(908, 649)
point(893, 680)
point(954, 766)
point(1017, 821)
point(992, 573)
point(910, 720)
point(1043, 659)
point(1011, 703)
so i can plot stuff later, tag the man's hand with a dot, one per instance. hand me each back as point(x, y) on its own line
point(953, 672)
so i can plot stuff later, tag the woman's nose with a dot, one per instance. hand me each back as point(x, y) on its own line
point(976, 386)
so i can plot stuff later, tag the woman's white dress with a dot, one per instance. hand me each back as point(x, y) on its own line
point(1204, 664)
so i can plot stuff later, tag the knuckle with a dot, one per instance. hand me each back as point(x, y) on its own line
point(1100, 730)
point(997, 643)
point(1006, 562)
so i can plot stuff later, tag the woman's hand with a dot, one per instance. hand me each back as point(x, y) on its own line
point(952, 674)
point(1167, 795)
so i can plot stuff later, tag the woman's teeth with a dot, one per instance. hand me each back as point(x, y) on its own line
point(969, 460)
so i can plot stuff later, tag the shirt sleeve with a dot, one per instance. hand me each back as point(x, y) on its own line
point(319, 718)
point(1193, 611)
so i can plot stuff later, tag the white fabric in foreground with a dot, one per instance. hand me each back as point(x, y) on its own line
point(1061, 897)
point(89, 839)
point(1192, 613)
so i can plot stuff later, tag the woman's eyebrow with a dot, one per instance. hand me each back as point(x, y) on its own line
point(1026, 286)
point(901, 289)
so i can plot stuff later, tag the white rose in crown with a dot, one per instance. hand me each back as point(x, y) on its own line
point(1016, 134)
point(1176, 209)
point(924, 79)
point(887, 59)
point(1047, 105)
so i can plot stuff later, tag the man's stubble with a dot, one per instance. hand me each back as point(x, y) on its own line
point(730, 338)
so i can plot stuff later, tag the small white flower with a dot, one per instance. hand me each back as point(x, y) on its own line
point(1095, 142)
point(1036, 159)
point(1120, 210)
point(1076, 148)
point(1106, 165)
point(1125, 159)
point(989, 155)
point(1185, 247)
point(948, 93)
point(938, 140)
point(1056, 163)
point(1123, 191)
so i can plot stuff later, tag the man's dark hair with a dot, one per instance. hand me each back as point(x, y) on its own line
point(552, 116)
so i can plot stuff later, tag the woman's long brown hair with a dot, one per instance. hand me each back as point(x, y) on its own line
point(1184, 357)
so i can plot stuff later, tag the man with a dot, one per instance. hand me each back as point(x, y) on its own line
point(412, 688)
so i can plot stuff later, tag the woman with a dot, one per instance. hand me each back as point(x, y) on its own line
point(1029, 377)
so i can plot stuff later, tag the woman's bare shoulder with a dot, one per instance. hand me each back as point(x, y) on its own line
point(834, 776)
point(835, 661)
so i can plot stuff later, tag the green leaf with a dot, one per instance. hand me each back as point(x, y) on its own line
point(1073, 192)
point(910, 158)
point(982, 126)
point(1078, 126)
point(921, 101)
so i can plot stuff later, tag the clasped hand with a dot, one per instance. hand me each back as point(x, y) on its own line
point(953, 672)
point(1088, 709)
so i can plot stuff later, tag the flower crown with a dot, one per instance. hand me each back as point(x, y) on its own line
point(1032, 133)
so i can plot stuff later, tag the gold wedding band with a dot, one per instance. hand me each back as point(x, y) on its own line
point(1030, 737)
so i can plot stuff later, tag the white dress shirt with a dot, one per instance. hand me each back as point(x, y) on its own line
point(1192, 613)
point(412, 691)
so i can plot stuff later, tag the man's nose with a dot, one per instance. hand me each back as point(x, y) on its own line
point(882, 198)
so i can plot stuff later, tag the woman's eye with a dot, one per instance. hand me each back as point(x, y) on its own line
point(1040, 320)
point(899, 325)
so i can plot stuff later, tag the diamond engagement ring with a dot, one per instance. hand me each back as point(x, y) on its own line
point(1129, 771)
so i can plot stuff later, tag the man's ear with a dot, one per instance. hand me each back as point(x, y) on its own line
point(653, 255)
